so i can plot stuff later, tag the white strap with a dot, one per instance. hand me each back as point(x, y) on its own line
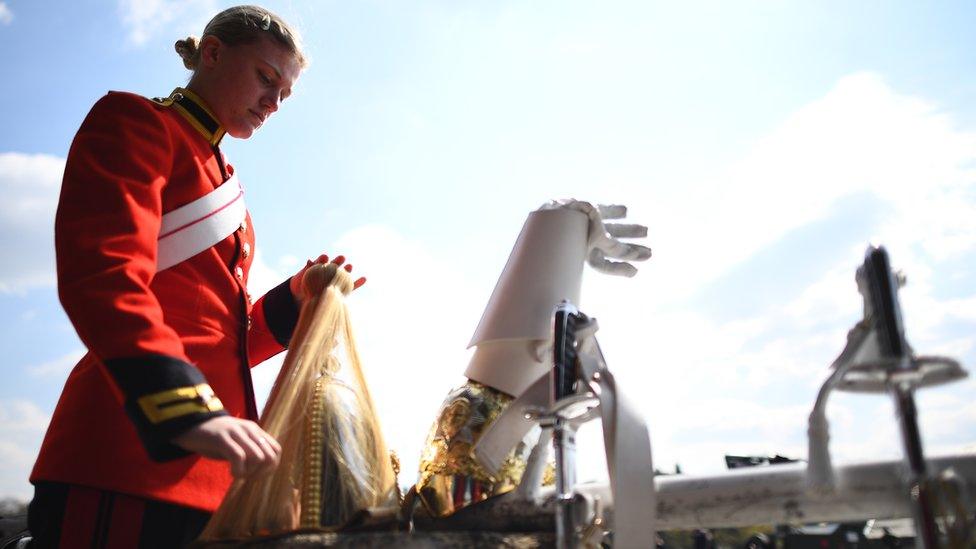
point(628, 447)
point(197, 226)
point(497, 441)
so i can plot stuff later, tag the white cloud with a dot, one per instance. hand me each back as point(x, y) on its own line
point(262, 277)
point(145, 18)
point(59, 367)
point(22, 426)
point(30, 184)
point(711, 385)
point(6, 16)
point(861, 137)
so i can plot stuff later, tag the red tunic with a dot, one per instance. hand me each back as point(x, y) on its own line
point(155, 339)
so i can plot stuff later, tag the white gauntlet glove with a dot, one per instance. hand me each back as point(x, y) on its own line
point(602, 239)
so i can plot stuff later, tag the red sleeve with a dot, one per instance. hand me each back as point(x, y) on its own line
point(273, 321)
point(105, 231)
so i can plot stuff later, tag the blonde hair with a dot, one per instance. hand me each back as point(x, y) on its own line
point(243, 25)
point(334, 461)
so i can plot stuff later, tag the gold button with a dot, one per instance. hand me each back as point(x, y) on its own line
point(239, 272)
point(247, 249)
point(243, 226)
point(249, 300)
point(249, 322)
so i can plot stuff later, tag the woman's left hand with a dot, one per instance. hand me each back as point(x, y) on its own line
point(295, 284)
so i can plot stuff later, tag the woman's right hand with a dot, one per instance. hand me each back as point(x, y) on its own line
point(296, 281)
point(241, 442)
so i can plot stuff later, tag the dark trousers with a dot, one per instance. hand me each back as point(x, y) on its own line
point(68, 516)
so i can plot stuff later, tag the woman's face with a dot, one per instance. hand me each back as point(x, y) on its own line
point(247, 82)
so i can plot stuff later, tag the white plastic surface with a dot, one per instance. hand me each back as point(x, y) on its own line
point(544, 268)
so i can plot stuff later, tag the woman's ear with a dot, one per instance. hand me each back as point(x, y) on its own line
point(211, 49)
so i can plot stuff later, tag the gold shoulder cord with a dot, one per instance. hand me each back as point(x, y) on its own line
point(312, 466)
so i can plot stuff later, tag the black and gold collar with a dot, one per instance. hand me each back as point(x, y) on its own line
point(196, 113)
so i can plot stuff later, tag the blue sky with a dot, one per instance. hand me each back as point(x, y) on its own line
point(763, 143)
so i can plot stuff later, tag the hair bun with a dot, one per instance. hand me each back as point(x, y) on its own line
point(188, 49)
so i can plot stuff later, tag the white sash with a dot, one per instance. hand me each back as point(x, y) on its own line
point(197, 226)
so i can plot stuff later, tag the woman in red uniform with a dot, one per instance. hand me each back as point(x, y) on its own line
point(153, 251)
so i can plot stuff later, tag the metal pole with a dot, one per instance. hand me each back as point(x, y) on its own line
point(883, 290)
point(919, 487)
point(778, 494)
point(563, 376)
point(564, 440)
